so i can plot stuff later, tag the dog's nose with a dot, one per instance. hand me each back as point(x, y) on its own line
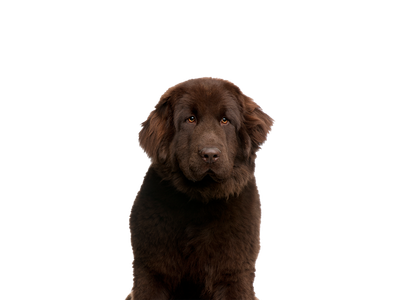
point(209, 155)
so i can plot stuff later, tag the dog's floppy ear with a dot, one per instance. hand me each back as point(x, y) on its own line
point(257, 124)
point(156, 131)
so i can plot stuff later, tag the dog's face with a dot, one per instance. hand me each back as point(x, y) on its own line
point(203, 135)
point(206, 120)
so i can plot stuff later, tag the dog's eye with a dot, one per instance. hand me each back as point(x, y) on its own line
point(191, 119)
point(224, 121)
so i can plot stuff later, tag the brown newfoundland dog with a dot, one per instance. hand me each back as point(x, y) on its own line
point(195, 221)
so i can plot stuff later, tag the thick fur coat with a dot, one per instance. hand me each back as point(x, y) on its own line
point(196, 219)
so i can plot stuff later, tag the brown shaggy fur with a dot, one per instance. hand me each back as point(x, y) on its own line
point(195, 222)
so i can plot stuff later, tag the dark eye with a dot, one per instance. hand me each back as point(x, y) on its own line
point(191, 119)
point(224, 121)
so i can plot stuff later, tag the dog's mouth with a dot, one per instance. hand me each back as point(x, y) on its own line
point(211, 174)
point(205, 176)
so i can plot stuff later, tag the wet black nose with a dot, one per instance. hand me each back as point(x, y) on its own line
point(210, 155)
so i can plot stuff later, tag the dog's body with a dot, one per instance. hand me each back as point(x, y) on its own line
point(195, 222)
